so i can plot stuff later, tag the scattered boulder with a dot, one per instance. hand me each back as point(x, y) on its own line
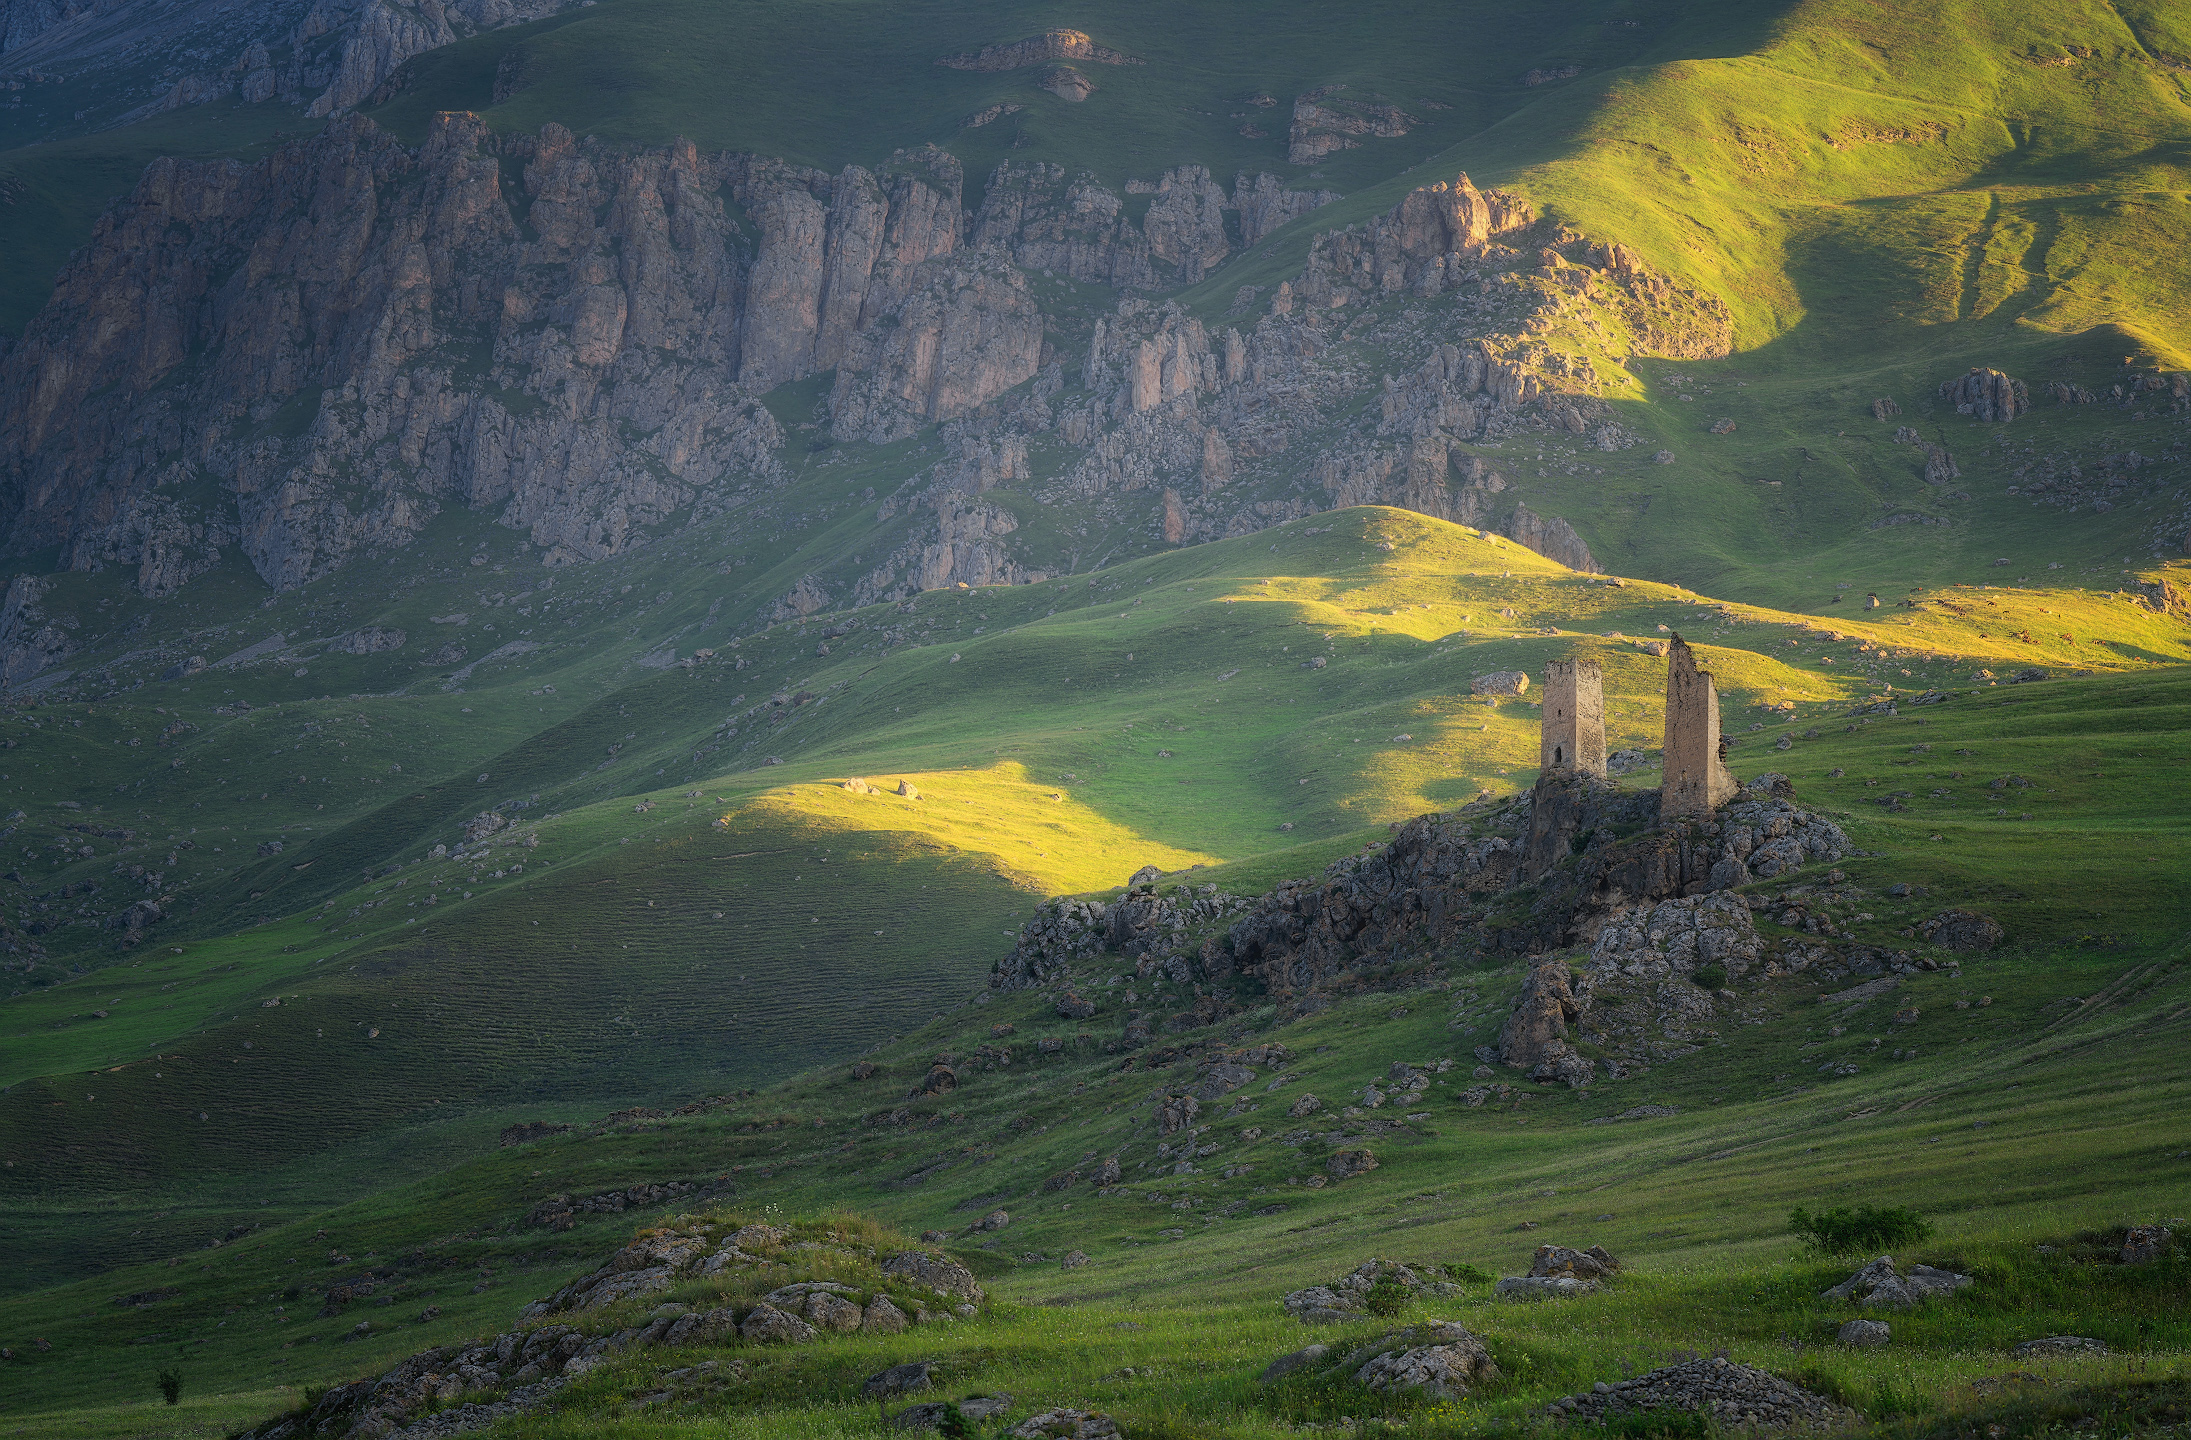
point(2146, 1243)
point(1175, 1113)
point(1865, 1334)
point(370, 640)
point(933, 1414)
point(898, 1380)
point(1146, 875)
point(1545, 1287)
point(1964, 930)
point(1064, 1425)
point(768, 1325)
point(485, 823)
point(905, 788)
point(994, 1220)
point(1736, 1395)
point(2059, 1345)
point(882, 1318)
point(1286, 1364)
point(759, 1236)
point(1346, 1164)
point(1320, 1303)
point(1342, 1299)
point(1878, 1287)
point(1072, 1006)
point(1221, 1080)
point(1500, 682)
point(1440, 1359)
point(1590, 1264)
point(1305, 1106)
point(1073, 1260)
point(946, 1277)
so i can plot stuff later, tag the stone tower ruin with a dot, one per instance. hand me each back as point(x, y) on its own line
point(1573, 740)
point(1697, 780)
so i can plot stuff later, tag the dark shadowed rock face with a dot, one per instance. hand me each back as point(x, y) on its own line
point(613, 325)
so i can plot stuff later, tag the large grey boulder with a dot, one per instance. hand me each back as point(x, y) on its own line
point(1545, 1287)
point(1439, 1359)
point(946, 1277)
point(768, 1325)
point(1878, 1286)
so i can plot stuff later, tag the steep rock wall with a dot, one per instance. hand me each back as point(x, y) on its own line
point(316, 353)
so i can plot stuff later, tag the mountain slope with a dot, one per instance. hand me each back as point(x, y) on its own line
point(692, 919)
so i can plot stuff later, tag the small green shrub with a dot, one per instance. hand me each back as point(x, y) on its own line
point(1855, 1229)
point(1710, 977)
point(1385, 1298)
point(1467, 1274)
point(171, 1386)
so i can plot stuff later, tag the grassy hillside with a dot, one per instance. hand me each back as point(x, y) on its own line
point(2001, 1114)
point(683, 917)
point(687, 906)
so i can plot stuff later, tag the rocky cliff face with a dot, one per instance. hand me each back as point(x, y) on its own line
point(322, 56)
point(1199, 431)
point(318, 352)
point(315, 354)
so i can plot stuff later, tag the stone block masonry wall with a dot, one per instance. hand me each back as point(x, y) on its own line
point(1573, 736)
point(1697, 782)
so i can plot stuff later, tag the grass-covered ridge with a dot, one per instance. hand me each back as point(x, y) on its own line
point(654, 955)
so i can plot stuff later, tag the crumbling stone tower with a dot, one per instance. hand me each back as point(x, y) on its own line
point(1697, 780)
point(1573, 740)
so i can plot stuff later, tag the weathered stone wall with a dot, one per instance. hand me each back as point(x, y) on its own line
point(1573, 735)
point(1697, 782)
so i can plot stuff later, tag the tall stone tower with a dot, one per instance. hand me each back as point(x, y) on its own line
point(1697, 782)
point(1574, 719)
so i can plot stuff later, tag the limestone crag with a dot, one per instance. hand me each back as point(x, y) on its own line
point(29, 642)
point(616, 328)
point(1050, 45)
point(1986, 394)
point(322, 56)
point(1327, 120)
point(1157, 932)
point(1534, 1036)
point(574, 339)
point(966, 335)
point(1265, 203)
point(1198, 426)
